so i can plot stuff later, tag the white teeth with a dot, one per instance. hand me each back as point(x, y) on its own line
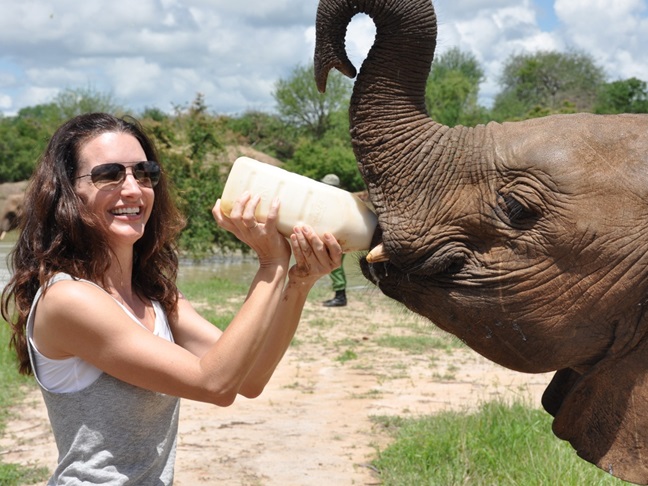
point(126, 211)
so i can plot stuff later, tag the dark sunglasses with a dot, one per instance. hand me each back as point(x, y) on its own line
point(107, 177)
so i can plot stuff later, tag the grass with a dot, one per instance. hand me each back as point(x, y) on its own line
point(12, 389)
point(12, 384)
point(347, 355)
point(419, 344)
point(500, 444)
point(16, 475)
point(217, 299)
point(213, 290)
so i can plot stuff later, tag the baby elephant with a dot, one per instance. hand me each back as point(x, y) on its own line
point(527, 240)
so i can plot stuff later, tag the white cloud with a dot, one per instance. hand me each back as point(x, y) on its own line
point(133, 77)
point(56, 76)
point(5, 102)
point(7, 79)
point(34, 95)
point(494, 32)
point(614, 33)
point(162, 52)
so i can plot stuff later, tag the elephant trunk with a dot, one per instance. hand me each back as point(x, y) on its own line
point(389, 94)
point(393, 137)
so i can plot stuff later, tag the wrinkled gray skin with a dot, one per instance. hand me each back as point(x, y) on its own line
point(10, 213)
point(526, 240)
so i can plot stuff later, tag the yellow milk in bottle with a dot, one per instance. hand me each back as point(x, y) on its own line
point(303, 201)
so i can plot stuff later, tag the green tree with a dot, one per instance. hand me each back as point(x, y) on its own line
point(201, 131)
point(452, 89)
point(546, 81)
point(316, 159)
point(189, 143)
point(320, 124)
point(623, 96)
point(77, 101)
point(300, 103)
point(23, 138)
point(265, 132)
point(330, 154)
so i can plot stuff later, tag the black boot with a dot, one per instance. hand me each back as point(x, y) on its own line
point(338, 301)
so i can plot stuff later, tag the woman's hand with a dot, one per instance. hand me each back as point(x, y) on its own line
point(314, 256)
point(263, 238)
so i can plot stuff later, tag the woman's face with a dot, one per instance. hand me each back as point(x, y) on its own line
point(126, 208)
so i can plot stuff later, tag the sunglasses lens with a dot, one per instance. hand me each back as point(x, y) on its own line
point(147, 173)
point(108, 176)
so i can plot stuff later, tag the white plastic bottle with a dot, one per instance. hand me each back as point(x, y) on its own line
point(303, 201)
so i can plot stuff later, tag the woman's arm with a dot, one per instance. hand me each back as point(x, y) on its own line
point(192, 331)
point(78, 319)
point(314, 259)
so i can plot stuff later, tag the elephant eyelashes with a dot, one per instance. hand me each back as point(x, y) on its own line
point(518, 214)
point(444, 263)
point(453, 266)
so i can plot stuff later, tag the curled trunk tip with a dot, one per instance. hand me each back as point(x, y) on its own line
point(323, 68)
point(330, 52)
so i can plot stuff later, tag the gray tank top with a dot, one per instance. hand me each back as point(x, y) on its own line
point(112, 433)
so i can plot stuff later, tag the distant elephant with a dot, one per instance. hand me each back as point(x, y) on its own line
point(527, 240)
point(10, 213)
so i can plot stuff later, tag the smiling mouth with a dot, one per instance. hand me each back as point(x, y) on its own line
point(126, 211)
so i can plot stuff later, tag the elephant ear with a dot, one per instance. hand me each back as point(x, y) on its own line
point(604, 413)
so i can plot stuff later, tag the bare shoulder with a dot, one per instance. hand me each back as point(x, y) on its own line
point(67, 312)
point(71, 297)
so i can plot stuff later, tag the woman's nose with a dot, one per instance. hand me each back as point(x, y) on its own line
point(130, 182)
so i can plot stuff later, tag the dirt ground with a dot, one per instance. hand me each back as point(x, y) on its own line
point(312, 424)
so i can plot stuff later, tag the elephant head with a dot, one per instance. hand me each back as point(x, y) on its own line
point(11, 213)
point(527, 240)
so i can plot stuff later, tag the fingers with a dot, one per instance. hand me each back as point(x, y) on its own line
point(334, 250)
point(273, 214)
point(315, 255)
point(248, 210)
point(242, 216)
point(261, 236)
point(220, 218)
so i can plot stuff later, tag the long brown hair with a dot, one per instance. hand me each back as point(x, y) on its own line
point(59, 234)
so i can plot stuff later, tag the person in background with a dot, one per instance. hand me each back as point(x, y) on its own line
point(338, 277)
point(97, 317)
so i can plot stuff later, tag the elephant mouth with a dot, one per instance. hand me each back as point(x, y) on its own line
point(375, 272)
point(390, 264)
point(374, 263)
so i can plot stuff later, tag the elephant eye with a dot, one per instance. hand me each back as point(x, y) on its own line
point(454, 265)
point(518, 212)
point(441, 264)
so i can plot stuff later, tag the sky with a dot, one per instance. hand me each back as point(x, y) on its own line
point(161, 53)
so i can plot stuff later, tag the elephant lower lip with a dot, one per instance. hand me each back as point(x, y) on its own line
point(375, 274)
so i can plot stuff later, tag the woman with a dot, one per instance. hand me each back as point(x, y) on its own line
point(97, 317)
